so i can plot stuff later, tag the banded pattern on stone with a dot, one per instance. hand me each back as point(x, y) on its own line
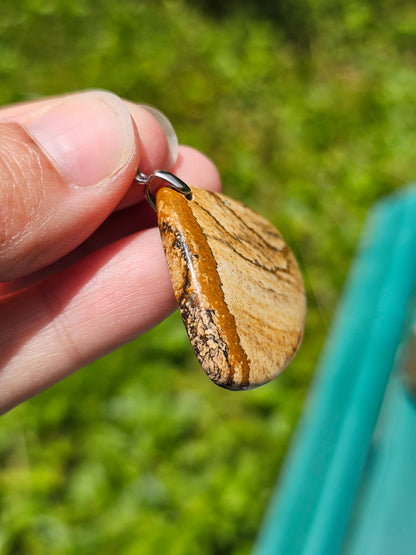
point(238, 286)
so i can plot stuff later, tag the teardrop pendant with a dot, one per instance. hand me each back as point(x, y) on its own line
point(238, 286)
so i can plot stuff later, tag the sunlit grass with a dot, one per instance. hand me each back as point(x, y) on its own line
point(140, 453)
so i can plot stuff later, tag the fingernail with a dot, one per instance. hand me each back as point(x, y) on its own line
point(171, 137)
point(88, 136)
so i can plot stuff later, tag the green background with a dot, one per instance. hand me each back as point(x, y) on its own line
point(309, 111)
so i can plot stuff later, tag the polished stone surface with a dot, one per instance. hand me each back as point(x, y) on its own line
point(238, 286)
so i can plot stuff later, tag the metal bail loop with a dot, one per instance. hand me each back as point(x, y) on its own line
point(172, 180)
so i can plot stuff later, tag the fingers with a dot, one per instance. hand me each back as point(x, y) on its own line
point(192, 166)
point(61, 324)
point(151, 158)
point(64, 166)
point(196, 169)
point(109, 297)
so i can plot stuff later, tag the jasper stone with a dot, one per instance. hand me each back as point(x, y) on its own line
point(238, 286)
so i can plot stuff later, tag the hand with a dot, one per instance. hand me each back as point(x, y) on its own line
point(81, 263)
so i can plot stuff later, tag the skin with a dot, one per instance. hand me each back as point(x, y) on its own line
point(82, 268)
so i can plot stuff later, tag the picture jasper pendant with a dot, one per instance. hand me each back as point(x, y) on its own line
point(238, 286)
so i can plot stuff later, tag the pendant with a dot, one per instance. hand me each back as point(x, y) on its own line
point(238, 286)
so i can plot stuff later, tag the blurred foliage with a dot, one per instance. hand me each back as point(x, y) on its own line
point(309, 110)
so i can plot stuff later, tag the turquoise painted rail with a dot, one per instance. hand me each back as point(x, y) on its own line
point(349, 482)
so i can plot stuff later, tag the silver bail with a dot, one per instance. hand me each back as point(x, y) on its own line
point(172, 180)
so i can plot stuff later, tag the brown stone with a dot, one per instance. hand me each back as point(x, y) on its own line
point(238, 286)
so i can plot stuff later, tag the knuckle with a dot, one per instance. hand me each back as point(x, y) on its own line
point(22, 175)
point(59, 326)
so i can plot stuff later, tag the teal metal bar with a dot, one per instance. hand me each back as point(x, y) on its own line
point(312, 504)
point(384, 515)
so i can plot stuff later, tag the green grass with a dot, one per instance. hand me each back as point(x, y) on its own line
point(310, 115)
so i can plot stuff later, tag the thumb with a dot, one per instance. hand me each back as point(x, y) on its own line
point(63, 169)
